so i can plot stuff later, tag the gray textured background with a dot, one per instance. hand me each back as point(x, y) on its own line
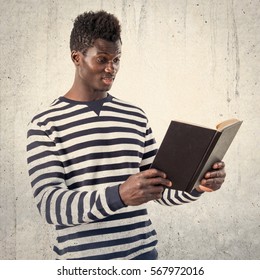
point(192, 60)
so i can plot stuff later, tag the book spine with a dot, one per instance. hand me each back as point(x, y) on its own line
point(206, 156)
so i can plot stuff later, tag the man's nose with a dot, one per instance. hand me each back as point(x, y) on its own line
point(110, 67)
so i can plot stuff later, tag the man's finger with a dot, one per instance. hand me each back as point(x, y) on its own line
point(215, 174)
point(151, 173)
point(218, 165)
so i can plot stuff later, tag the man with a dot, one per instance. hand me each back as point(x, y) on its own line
point(89, 155)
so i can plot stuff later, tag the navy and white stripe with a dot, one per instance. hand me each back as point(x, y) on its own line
point(77, 159)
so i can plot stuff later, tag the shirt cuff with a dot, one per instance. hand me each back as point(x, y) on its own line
point(114, 200)
point(196, 193)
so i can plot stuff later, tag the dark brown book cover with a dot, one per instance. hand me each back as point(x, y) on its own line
point(188, 151)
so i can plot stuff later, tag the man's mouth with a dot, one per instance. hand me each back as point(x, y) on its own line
point(108, 80)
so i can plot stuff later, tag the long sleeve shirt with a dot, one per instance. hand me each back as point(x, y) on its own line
point(78, 155)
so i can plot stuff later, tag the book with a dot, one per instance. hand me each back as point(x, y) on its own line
point(188, 151)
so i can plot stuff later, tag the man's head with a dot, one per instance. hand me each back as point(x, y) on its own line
point(95, 51)
point(90, 26)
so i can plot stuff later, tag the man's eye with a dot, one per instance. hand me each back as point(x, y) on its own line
point(116, 60)
point(101, 60)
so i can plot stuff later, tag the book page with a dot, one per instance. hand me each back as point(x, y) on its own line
point(221, 126)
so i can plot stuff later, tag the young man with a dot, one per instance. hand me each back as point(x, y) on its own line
point(89, 155)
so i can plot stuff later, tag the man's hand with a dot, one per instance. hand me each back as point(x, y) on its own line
point(213, 180)
point(143, 187)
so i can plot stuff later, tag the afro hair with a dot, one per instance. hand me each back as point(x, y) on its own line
point(90, 26)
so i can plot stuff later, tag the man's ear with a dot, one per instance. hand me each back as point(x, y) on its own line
point(75, 57)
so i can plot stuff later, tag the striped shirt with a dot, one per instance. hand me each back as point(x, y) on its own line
point(78, 155)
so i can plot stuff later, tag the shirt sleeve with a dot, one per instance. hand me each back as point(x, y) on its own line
point(150, 149)
point(56, 203)
point(172, 197)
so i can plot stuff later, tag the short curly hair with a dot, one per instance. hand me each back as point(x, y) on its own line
point(90, 26)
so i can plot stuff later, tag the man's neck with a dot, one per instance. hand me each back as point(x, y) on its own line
point(79, 94)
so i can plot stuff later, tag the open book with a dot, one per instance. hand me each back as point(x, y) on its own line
point(188, 151)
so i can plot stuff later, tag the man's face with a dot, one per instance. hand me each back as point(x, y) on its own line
point(97, 69)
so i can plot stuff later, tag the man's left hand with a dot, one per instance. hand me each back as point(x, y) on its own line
point(213, 180)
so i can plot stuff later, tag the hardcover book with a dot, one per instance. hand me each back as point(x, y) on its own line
point(188, 151)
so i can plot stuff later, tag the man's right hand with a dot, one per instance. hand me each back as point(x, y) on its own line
point(143, 187)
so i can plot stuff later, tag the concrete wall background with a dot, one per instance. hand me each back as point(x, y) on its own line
point(191, 60)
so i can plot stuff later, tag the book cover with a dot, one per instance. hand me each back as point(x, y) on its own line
point(188, 151)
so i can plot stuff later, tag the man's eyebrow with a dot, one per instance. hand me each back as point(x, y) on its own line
point(104, 52)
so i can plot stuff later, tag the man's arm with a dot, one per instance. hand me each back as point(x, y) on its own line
point(56, 203)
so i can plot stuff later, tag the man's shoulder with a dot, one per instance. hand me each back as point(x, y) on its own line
point(126, 105)
point(44, 112)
